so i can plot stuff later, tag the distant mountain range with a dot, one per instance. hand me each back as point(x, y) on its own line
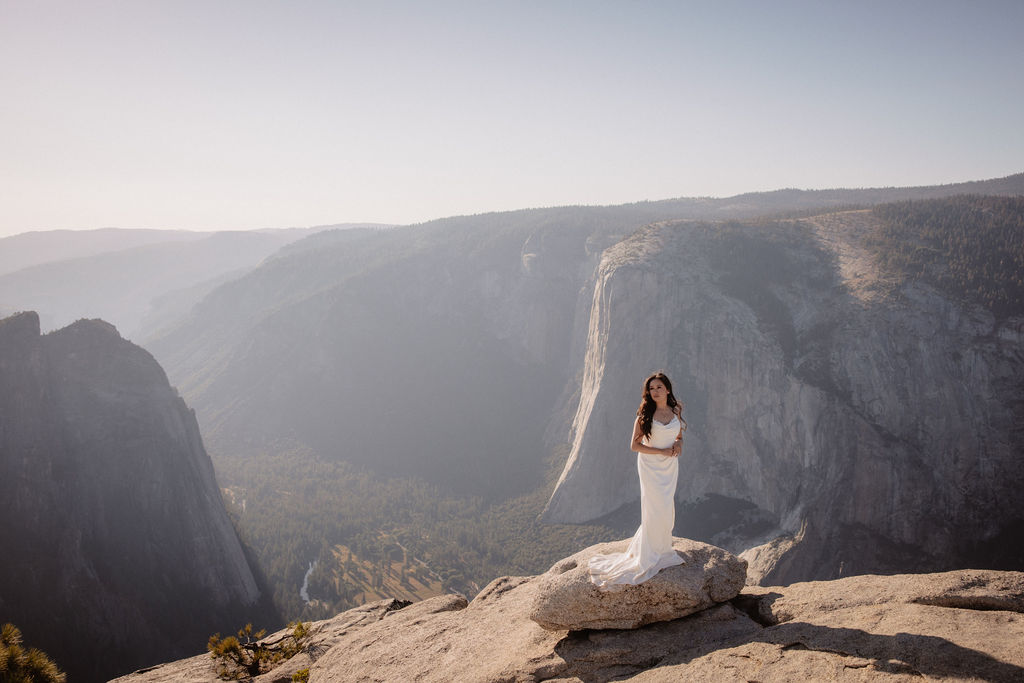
point(132, 278)
point(47, 246)
point(143, 280)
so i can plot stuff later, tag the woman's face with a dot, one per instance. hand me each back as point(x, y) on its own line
point(657, 391)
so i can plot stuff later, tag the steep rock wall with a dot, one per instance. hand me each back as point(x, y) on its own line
point(118, 549)
point(878, 418)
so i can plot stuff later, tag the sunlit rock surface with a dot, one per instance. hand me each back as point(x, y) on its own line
point(568, 600)
point(964, 625)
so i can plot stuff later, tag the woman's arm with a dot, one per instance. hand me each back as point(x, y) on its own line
point(678, 410)
point(639, 446)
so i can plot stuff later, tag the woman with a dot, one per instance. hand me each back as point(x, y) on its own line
point(657, 441)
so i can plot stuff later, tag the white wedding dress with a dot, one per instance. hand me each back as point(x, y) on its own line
point(650, 551)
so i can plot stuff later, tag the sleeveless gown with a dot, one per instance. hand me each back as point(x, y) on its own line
point(650, 550)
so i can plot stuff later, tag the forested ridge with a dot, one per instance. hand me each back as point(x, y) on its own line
point(970, 247)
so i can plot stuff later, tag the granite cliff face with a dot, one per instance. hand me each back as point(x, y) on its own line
point(876, 422)
point(118, 551)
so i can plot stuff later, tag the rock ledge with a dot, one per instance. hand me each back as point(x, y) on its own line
point(961, 625)
point(568, 600)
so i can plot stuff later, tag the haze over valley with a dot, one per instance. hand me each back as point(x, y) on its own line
point(421, 409)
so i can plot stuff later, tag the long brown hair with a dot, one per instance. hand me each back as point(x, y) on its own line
point(647, 405)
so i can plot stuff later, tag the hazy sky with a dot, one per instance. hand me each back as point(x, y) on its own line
point(226, 114)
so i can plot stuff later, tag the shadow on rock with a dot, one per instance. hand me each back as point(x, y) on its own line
point(724, 639)
point(905, 653)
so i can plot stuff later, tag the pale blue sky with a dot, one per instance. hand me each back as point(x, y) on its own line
point(228, 114)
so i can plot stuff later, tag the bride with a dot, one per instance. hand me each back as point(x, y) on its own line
point(657, 441)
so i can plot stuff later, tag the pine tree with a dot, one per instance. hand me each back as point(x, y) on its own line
point(21, 665)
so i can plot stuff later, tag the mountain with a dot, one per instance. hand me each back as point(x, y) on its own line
point(456, 328)
point(954, 626)
point(873, 415)
point(37, 247)
point(134, 287)
point(463, 327)
point(118, 549)
point(790, 201)
point(44, 246)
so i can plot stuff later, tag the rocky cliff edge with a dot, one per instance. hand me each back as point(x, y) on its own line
point(962, 625)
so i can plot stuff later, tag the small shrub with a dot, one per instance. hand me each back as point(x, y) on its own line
point(247, 656)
